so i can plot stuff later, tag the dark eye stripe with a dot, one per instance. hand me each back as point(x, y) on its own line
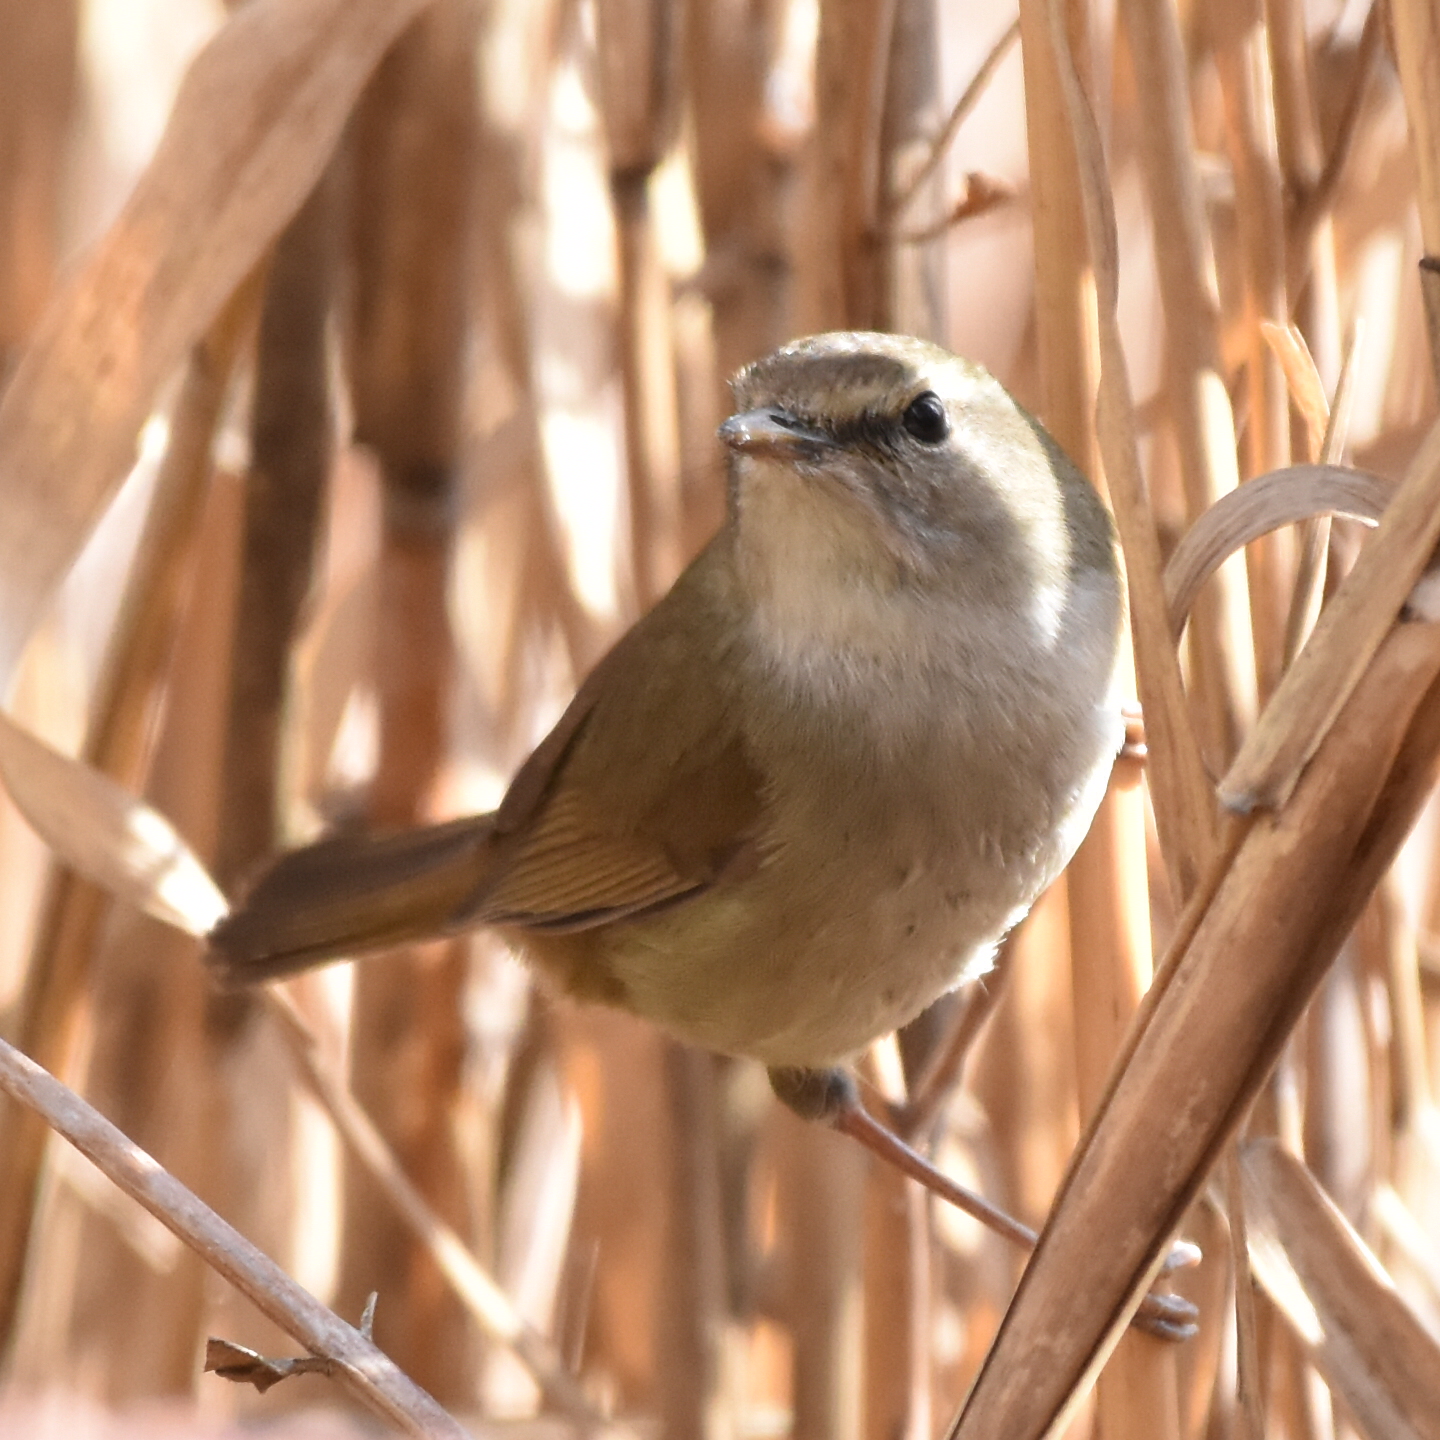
point(924, 419)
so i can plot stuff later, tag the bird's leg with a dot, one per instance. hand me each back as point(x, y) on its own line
point(938, 1075)
point(831, 1097)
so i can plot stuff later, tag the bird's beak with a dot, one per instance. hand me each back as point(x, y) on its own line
point(775, 433)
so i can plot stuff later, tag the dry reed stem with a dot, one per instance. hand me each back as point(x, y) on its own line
point(897, 1288)
point(1312, 279)
point(911, 277)
point(255, 120)
point(413, 153)
point(1410, 1090)
point(838, 277)
point(1416, 27)
point(1199, 406)
point(1249, 1371)
point(1137, 1393)
point(1319, 201)
point(896, 1273)
point(1184, 804)
point(647, 367)
point(1229, 992)
point(1242, 59)
point(120, 730)
point(842, 274)
point(694, 1396)
point(822, 1179)
point(639, 44)
point(292, 444)
point(541, 591)
point(644, 41)
point(741, 171)
point(165, 1088)
point(362, 1369)
point(1109, 929)
point(1340, 1304)
point(413, 176)
point(38, 66)
point(1302, 378)
point(1210, 1289)
point(1327, 444)
point(291, 426)
point(1026, 1077)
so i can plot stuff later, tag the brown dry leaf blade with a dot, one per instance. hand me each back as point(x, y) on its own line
point(1343, 642)
point(107, 834)
point(1281, 497)
point(1338, 1299)
point(255, 120)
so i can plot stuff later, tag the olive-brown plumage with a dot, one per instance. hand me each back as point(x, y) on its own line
point(815, 785)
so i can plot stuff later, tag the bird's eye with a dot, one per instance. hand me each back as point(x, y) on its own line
point(925, 418)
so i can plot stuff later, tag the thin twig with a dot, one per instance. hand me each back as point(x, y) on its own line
point(1313, 205)
point(982, 194)
point(366, 1372)
point(963, 106)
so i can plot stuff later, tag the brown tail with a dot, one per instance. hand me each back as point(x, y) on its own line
point(351, 894)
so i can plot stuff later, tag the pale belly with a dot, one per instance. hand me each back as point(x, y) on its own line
point(808, 960)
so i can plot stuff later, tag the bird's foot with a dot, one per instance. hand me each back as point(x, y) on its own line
point(832, 1097)
point(1133, 750)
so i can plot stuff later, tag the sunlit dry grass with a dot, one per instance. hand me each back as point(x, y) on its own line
point(464, 394)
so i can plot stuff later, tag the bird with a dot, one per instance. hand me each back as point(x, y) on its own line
point(813, 788)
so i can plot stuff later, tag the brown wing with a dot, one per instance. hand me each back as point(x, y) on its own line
point(644, 793)
point(641, 795)
point(577, 864)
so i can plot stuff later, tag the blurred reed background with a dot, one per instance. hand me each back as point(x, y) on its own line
point(447, 440)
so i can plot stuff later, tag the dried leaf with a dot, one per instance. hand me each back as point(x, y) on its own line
point(248, 1367)
point(1282, 497)
point(1338, 1299)
point(107, 834)
point(1343, 642)
point(1306, 390)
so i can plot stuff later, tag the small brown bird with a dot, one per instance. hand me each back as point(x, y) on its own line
point(813, 788)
